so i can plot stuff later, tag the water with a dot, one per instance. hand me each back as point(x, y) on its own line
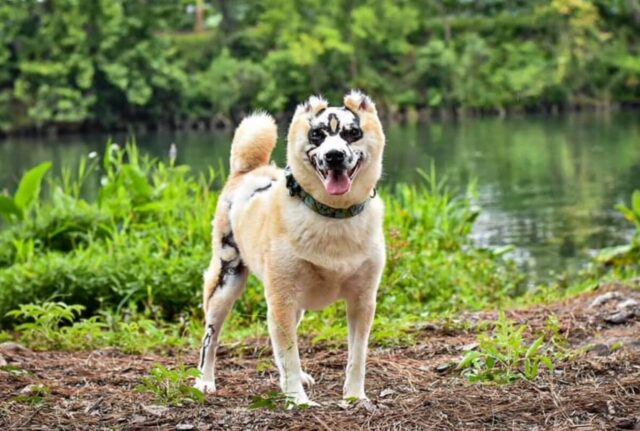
point(546, 185)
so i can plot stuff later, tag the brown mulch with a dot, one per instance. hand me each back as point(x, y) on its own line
point(409, 387)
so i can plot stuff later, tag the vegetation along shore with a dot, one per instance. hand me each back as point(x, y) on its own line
point(101, 267)
point(74, 65)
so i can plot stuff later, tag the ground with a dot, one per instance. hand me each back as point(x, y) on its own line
point(409, 387)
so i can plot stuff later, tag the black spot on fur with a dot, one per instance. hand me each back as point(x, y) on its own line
point(206, 342)
point(333, 124)
point(230, 267)
point(261, 189)
point(229, 241)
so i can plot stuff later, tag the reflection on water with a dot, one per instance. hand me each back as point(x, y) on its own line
point(547, 185)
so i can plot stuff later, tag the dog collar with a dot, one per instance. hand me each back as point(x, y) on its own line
point(295, 189)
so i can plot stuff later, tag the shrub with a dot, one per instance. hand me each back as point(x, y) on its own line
point(172, 387)
point(145, 240)
point(504, 355)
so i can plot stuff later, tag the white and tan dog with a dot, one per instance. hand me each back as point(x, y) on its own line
point(312, 233)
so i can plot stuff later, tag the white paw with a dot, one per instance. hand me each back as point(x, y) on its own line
point(307, 380)
point(205, 386)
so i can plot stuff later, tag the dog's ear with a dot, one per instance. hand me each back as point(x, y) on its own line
point(356, 100)
point(312, 106)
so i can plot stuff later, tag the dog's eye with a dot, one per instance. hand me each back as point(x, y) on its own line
point(352, 135)
point(316, 136)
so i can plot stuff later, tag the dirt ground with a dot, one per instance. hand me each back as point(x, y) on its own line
point(407, 386)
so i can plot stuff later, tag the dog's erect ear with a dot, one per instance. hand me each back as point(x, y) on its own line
point(356, 100)
point(312, 106)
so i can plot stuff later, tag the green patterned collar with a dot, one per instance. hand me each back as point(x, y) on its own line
point(296, 189)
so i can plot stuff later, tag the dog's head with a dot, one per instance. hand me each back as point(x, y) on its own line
point(335, 153)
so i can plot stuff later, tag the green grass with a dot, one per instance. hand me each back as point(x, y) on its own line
point(35, 395)
point(504, 355)
point(144, 238)
point(125, 238)
point(172, 387)
point(57, 326)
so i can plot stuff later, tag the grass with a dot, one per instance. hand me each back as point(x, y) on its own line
point(124, 239)
point(272, 400)
point(33, 395)
point(57, 326)
point(125, 229)
point(172, 387)
point(504, 355)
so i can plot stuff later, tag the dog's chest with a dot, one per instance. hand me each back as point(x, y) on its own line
point(338, 245)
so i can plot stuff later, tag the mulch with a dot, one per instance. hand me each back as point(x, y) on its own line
point(409, 387)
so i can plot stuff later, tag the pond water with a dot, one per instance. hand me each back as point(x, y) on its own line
point(546, 185)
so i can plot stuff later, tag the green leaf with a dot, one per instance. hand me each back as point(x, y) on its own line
point(29, 187)
point(8, 208)
point(547, 362)
point(635, 204)
point(610, 254)
point(627, 213)
point(535, 346)
point(468, 359)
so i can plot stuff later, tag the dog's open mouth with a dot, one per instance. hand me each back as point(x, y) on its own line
point(338, 181)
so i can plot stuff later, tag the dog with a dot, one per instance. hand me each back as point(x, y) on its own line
point(312, 233)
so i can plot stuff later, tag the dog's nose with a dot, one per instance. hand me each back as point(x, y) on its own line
point(334, 158)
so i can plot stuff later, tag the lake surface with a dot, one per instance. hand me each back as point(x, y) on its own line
point(546, 185)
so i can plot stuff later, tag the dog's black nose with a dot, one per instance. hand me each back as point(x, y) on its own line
point(334, 158)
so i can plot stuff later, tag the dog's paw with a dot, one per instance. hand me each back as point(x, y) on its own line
point(307, 380)
point(205, 386)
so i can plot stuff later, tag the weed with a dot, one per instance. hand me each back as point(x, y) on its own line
point(142, 238)
point(13, 370)
point(44, 332)
point(626, 254)
point(272, 400)
point(34, 395)
point(505, 356)
point(56, 326)
point(5, 336)
point(172, 387)
point(264, 365)
point(15, 208)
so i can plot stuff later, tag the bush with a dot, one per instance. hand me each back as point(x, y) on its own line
point(145, 240)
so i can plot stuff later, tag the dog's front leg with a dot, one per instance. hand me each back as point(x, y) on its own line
point(360, 311)
point(282, 320)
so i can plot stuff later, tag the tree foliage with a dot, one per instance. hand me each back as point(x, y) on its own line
point(108, 62)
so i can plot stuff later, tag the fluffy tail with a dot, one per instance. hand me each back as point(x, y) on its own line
point(253, 143)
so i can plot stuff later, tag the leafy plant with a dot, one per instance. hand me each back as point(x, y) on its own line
point(44, 332)
point(5, 336)
point(12, 208)
point(35, 396)
point(57, 326)
point(627, 253)
point(172, 387)
point(272, 400)
point(13, 370)
point(504, 355)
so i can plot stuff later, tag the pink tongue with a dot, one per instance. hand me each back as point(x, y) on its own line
point(337, 182)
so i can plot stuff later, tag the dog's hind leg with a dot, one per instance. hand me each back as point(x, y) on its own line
point(224, 282)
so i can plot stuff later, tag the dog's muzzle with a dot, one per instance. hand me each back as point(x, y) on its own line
point(335, 173)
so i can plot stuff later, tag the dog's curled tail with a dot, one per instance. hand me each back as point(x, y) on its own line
point(253, 143)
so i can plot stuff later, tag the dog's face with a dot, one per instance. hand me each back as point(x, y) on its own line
point(335, 153)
